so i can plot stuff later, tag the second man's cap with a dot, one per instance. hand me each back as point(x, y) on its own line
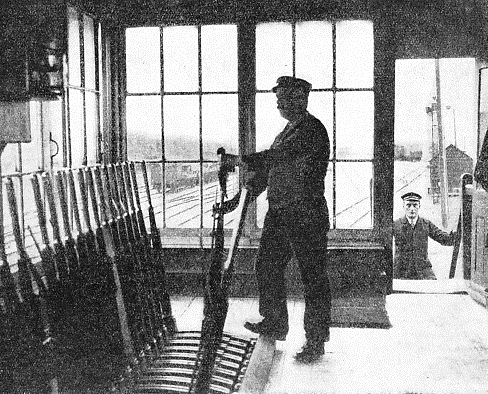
point(411, 196)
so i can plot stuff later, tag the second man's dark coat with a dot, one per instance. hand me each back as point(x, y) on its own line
point(411, 246)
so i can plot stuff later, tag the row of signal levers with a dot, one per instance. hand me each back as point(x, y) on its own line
point(94, 315)
point(93, 297)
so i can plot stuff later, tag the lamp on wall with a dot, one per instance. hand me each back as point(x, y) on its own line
point(45, 66)
point(31, 65)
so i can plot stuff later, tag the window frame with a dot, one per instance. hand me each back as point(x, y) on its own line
point(333, 133)
point(98, 90)
point(42, 124)
point(202, 232)
point(247, 95)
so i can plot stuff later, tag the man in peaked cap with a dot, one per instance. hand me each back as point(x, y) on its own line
point(411, 196)
point(292, 84)
point(292, 171)
point(412, 234)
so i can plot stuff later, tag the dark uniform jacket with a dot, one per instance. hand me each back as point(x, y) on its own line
point(293, 171)
point(294, 167)
point(411, 246)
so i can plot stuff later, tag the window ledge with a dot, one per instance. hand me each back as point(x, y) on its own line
point(252, 243)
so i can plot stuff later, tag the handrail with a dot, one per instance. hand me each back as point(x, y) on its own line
point(467, 192)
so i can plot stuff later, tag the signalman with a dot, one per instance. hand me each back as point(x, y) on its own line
point(412, 234)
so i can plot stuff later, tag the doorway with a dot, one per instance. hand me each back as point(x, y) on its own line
point(435, 142)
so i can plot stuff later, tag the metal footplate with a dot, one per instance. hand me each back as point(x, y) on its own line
point(174, 371)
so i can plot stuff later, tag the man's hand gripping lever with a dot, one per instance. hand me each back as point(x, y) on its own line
point(227, 163)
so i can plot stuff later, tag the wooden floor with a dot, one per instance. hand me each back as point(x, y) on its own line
point(438, 343)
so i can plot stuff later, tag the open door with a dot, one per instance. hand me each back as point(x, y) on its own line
point(435, 143)
point(478, 278)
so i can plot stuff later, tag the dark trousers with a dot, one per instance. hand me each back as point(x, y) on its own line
point(302, 232)
point(413, 270)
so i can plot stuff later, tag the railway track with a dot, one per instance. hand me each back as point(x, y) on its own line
point(361, 208)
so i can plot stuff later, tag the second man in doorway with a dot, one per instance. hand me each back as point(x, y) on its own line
point(412, 234)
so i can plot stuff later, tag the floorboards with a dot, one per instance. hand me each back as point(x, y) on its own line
point(438, 343)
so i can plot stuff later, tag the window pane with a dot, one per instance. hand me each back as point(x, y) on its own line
point(355, 54)
point(89, 50)
point(181, 128)
point(32, 151)
point(152, 168)
point(143, 59)
point(180, 54)
point(10, 246)
point(220, 124)
point(354, 195)
point(261, 209)
point(30, 218)
point(10, 159)
point(355, 125)
point(320, 105)
point(100, 78)
point(143, 127)
point(53, 125)
point(92, 127)
point(269, 123)
point(273, 53)
point(219, 58)
point(154, 175)
point(328, 182)
point(314, 53)
point(211, 190)
point(183, 199)
point(74, 64)
point(173, 184)
point(76, 129)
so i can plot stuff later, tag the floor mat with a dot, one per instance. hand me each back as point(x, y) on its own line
point(367, 311)
point(441, 286)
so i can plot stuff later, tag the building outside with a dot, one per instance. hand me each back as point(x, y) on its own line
point(457, 163)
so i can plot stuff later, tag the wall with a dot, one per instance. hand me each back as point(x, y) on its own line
point(352, 271)
point(422, 29)
point(441, 29)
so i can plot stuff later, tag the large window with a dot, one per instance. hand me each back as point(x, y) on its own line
point(182, 104)
point(83, 116)
point(337, 59)
point(66, 132)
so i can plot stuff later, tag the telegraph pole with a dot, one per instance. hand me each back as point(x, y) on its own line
point(453, 122)
point(442, 152)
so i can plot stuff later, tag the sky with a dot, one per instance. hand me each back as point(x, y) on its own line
point(415, 88)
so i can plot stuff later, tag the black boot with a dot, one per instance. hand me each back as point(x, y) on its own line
point(269, 330)
point(312, 351)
